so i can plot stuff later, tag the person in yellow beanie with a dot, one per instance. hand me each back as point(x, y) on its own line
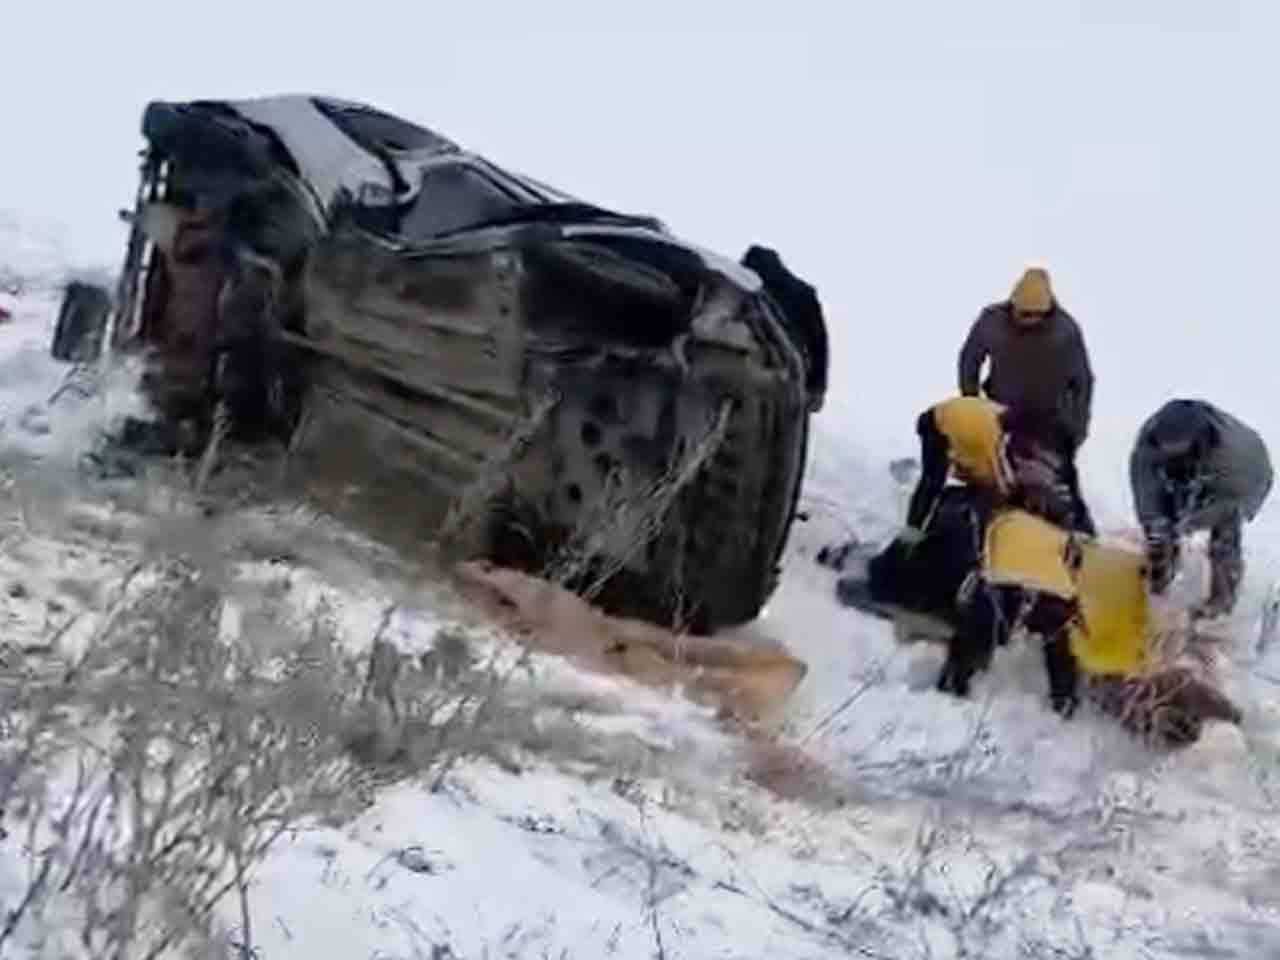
point(1038, 359)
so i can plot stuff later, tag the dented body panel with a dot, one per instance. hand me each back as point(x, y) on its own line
point(461, 354)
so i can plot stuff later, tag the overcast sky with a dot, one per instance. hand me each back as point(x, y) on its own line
point(906, 157)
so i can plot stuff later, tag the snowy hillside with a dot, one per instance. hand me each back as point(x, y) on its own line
point(544, 811)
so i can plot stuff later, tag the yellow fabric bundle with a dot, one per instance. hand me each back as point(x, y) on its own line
point(1022, 550)
point(1117, 617)
point(1025, 551)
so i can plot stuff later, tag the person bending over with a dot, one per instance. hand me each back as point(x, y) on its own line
point(1196, 467)
point(1015, 457)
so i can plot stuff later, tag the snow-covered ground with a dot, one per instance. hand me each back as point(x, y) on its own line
point(605, 819)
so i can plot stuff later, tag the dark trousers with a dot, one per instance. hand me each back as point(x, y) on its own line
point(988, 619)
point(930, 577)
point(1226, 559)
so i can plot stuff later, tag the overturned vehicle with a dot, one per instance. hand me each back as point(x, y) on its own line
point(464, 354)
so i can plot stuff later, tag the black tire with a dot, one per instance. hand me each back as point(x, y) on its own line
point(82, 323)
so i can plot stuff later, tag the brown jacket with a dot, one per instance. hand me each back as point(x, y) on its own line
point(1042, 369)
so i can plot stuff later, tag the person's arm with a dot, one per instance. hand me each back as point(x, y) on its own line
point(1154, 507)
point(934, 466)
point(1081, 384)
point(973, 352)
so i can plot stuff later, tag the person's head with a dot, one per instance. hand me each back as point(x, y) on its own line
point(1032, 297)
point(1181, 439)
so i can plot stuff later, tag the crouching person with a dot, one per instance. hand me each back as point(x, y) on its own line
point(1012, 456)
point(988, 572)
point(1024, 581)
point(1195, 467)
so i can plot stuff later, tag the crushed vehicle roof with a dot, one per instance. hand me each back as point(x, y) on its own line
point(349, 153)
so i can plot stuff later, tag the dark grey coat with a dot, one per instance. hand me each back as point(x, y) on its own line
point(1196, 467)
point(1233, 476)
point(1041, 370)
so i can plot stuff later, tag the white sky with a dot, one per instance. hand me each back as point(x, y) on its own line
point(905, 157)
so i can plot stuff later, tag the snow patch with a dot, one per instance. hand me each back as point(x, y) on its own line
point(885, 820)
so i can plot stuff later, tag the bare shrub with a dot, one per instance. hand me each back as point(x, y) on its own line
point(422, 715)
point(611, 528)
point(165, 763)
point(623, 520)
point(466, 514)
point(149, 774)
point(619, 523)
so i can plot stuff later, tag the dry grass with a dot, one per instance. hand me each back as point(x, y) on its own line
point(466, 515)
point(624, 520)
point(150, 772)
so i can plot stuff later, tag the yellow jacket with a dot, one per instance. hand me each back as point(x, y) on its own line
point(1115, 627)
point(975, 440)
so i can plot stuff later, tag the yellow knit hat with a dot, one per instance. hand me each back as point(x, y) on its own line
point(1033, 293)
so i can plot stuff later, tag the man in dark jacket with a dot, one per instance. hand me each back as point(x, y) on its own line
point(1038, 359)
point(1195, 467)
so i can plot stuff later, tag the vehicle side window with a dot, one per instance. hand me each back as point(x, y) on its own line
point(455, 196)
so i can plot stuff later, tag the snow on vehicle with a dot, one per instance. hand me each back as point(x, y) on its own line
point(464, 352)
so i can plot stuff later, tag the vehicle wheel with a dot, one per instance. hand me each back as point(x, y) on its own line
point(82, 323)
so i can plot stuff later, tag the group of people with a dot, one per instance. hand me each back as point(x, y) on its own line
point(1012, 439)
